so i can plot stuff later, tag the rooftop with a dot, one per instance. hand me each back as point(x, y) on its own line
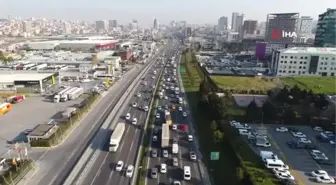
point(11, 76)
point(42, 129)
point(309, 50)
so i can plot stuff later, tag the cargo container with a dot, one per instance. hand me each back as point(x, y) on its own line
point(165, 136)
point(4, 108)
point(76, 93)
point(116, 137)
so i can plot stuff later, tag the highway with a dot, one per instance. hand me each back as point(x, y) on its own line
point(103, 169)
point(173, 173)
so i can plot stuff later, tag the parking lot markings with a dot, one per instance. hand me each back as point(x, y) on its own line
point(273, 143)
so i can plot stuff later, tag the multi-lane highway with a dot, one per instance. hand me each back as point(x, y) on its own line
point(103, 170)
point(173, 173)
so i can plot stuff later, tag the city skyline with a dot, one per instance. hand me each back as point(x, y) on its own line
point(146, 12)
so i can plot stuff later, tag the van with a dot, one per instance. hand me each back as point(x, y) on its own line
point(244, 132)
point(186, 173)
point(275, 163)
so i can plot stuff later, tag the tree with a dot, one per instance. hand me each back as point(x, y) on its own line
point(217, 136)
point(253, 112)
point(217, 107)
point(269, 111)
point(214, 125)
point(289, 116)
point(240, 173)
point(283, 95)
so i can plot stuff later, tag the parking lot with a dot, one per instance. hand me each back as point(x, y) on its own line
point(26, 115)
point(300, 161)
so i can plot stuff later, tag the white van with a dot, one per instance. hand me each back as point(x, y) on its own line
point(186, 173)
point(275, 163)
point(175, 148)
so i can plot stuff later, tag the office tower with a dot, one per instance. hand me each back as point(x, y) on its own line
point(113, 23)
point(66, 28)
point(305, 25)
point(326, 29)
point(250, 26)
point(237, 21)
point(222, 23)
point(26, 25)
point(188, 31)
point(278, 23)
point(100, 25)
point(155, 24)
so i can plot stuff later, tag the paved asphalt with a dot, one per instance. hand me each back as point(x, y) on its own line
point(173, 173)
point(54, 162)
point(103, 170)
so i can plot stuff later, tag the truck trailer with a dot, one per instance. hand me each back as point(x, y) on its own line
point(65, 95)
point(165, 136)
point(57, 96)
point(76, 93)
point(116, 137)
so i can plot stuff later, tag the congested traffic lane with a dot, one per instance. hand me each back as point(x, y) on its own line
point(173, 173)
point(103, 170)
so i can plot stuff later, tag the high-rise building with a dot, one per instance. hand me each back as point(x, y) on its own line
point(113, 23)
point(325, 30)
point(100, 25)
point(66, 28)
point(305, 25)
point(281, 27)
point(135, 24)
point(188, 31)
point(155, 24)
point(222, 23)
point(237, 22)
point(26, 25)
point(250, 26)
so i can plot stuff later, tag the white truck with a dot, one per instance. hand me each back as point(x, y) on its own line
point(175, 148)
point(264, 155)
point(116, 137)
point(165, 136)
point(177, 90)
point(76, 93)
point(57, 96)
point(180, 100)
point(65, 95)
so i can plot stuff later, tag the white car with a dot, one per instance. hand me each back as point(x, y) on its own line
point(155, 138)
point(157, 115)
point(174, 127)
point(298, 134)
point(180, 108)
point(163, 168)
point(119, 166)
point(146, 108)
point(332, 142)
point(134, 121)
point(284, 176)
point(281, 170)
point(165, 154)
point(166, 97)
point(318, 129)
point(318, 173)
point(304, 140)
point(190, 138)
point(128, 116)
point(325, 179)
point(129, 171)
point(192, 155)
point(135, 104)
point(282, 129)
point(176, 183)
point(184, 114)
point(318, 155)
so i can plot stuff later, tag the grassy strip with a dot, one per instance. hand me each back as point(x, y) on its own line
point(15, 173)
point(65, 127)
point(224, 170)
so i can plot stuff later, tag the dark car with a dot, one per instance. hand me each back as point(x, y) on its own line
point(310, 147)
point(324, 162)
point(291, 129)
point(294, 145)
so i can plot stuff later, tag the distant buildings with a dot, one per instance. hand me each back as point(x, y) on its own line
point(281, 27)
point(101, 25)
point(155, 26)
point(27, 26)
point(113, 24)
point(305, 25)
point(306, 61)
point(237, 21)
point(66, 28)
point(222, 23)
point(326, 29)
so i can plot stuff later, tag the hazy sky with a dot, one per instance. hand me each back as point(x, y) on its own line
point(193, 11)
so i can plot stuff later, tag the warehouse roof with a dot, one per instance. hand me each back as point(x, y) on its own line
point(9, 78)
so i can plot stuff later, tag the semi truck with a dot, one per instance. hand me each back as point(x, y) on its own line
point(165, 136)
point(116, 137)
point(168, 117)
point(57, 96)
point(76, 93)
point(65, 95)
